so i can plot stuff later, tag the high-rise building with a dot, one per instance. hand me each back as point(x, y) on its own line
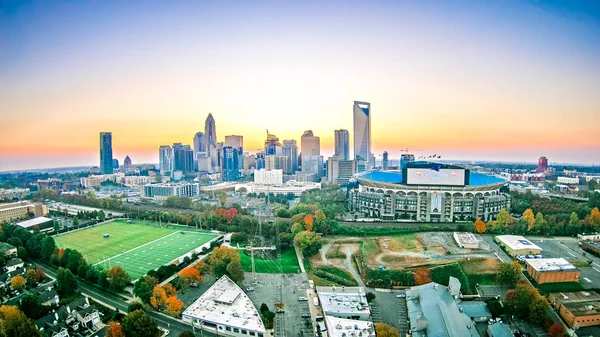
point(260, 160)
point(542, 164)
point(230, 164)
point(362, 134)
point(340, 171)
point(236, 142)
point(290, 150)
point(106, 155)
point(342, 144)
point(333, 169)
point(199, 143)
point(127, 163)
point(385, 163)
point(272, 145)
point(115, 163)
point(165, 160)
point(310, 144)
point(273, 162)
point(405, 159)
point(183, 158)
point(312, 165)
point(210, 134)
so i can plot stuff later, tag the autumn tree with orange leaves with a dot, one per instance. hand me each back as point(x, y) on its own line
point(479, 226)
point(422, 275)
point(173, 305)
point(158, 298)
point(190, 275)
point(114, 330)
point(308, 222)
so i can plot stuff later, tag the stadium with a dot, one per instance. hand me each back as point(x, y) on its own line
point(428, 192)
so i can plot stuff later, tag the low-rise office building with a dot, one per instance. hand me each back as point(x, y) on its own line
point(342, 327)
point(225, 309)
point(578, 309)
point(466, 240)
point(164, 190)
point(43, 223)
point(589, 236)
point(21, 210)
point(591, 246)
point(518, 245)
point(344, 302)
point(552, 270)
point(13, 193)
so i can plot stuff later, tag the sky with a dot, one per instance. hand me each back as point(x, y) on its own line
point(472, 80)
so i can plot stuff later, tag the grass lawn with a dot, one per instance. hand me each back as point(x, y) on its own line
point(146, 246)
point(287, 265)
point(401, 242)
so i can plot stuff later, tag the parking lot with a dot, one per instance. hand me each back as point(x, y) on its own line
point(390, 309)
point(266, 290)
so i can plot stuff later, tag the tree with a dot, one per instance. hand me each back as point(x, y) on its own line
point(422, 275)
point(504, 219)
point(139, 324)
point(222, 198)
point(538, 308)
point(186, 334)
point(539, 220)
point(370, 296)
point(66, 284)
point(594, 218)
point(508, 273)
point(308, 222)
point(15, 323)
point(264, 307)
point(31, 306)
point(190, 275)
point(386, 330)
point(158, 298)
point(135, 306)
point(235, 271)
point(31, 277)
point(143, 288)
point(173, 305)
point(22, 253)
point(308, 242)
point(169, 290)
point(556, 330)
point(479, 226)
point(529, 218)
point(114, 330)
point(17, 283)
point(220, 258)
point(118, 278)
point(320, 216)
point(75, 221)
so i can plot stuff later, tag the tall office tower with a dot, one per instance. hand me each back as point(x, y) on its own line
point(273, 162)
point(199, 143)
point(385, 162)
point(210, 133)
point(542, 164)
point(183, 158)
point(333, 169)
point(405, 159)
point(310, 147)
point(260, 160)
point(230, 164)
point(340, 171)
point(106, 155)
point(313, 165)
point(290, 150)
point(127, 163)
point(165, 160)
point(236, 142)
point(272, 145)
point(342, 144)
point(115, 163)
point(362, 134)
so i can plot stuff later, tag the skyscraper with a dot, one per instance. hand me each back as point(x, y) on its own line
point(272, 145)
point(106, 155)
point(183, 158)
point(127, 162)
point(542, 164)
point(237, 142)
point(362, 134)
point(385, 162)
point(210, 133)
point(310, 145)
point(199, 143)
point(165, 160)
point(290, 150)
point(342, 144)
point(230, 164)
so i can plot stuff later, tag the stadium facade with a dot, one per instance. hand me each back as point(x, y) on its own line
point(428, 192)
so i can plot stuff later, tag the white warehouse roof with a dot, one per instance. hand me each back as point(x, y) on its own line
point(342, 327)
point(516, 242)
point(550, 264)
point(33, 222)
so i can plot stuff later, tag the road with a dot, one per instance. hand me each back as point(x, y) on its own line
point(350, 267)
point(176, 326)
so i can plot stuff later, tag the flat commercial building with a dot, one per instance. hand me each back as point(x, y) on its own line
point(342, 327)
point(164, 190)
point(344, 302)
point(292, 186)
point(552, 270)
point(590, 246)
point(433, 311)
point(466, 240)
point(578, 309)
point(589, 236)
point(268, 177)
point(43, 223)
point(97, 180)
point(518, 245)
point(13, 193)
point(225, 309)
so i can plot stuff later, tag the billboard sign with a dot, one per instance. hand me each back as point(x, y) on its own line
point(441, 176)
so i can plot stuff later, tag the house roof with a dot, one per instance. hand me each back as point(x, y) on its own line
point(14, 262)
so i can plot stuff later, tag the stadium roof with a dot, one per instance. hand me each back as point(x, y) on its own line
point(225, 303)
point(516, 242)
point(33, 222)
point(558, 264)
point(395, 177)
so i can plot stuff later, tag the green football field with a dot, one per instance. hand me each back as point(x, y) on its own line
point(137, 247)
point(287, 265)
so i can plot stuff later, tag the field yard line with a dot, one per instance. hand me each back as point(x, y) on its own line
point(127, 251)
point(596, 269)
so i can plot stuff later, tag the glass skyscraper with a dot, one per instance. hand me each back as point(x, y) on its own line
point(106, 155)
point(342, 144)
point(362, 134)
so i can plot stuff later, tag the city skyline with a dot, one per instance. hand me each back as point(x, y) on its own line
point(469, 81)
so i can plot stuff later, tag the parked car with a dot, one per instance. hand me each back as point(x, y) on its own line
point(401, 296)
point(250, 289)
point(302, 298)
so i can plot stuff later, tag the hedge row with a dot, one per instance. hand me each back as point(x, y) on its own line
point(334, 278)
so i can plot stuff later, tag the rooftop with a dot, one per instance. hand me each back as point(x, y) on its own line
point(557, 264)
point(33, 222)
point(577, 296)
point(226, 303)
point(475, 309)
point(342, 327)
point(5, 246)
point(343, 300)
point(583, 308)
point(14, 262)
point(517, 242)
point(465, 238)
point(433, 311)
point(395, 177)
point(500, 330)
